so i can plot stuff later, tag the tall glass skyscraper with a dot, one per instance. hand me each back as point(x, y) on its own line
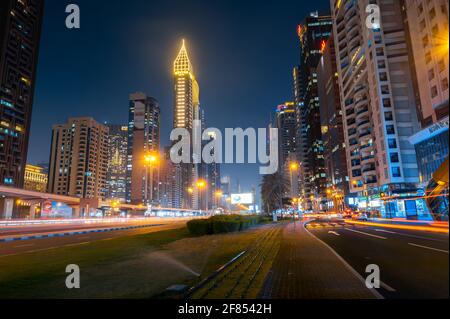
point(143, 138)
point(116, 177)
point(20, 30)
point(313, 33)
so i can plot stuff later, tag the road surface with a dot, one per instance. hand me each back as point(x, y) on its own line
point(413, 264)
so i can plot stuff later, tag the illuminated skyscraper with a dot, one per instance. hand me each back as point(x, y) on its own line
point(79, 158)
point(378, 107)
point(313, 33)
point(427, 22)
point(186, 110)
point(117, 162)
point(143, 139)
point(20, 29)
point(187, 92)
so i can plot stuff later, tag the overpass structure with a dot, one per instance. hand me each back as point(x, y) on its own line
point(20, 203)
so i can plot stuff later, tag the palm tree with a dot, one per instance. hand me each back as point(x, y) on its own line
point(273, 188)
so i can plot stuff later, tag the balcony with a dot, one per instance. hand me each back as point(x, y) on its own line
point(362, 110)
point(367, 159)
point(368, 168)
point(362, 123)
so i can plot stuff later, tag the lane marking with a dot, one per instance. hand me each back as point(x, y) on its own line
point(410, 235)
point(334, 233)
point(367, 234)
point(430, 248)
point(385, 231)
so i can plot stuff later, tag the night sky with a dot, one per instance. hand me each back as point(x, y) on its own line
point(242, 51)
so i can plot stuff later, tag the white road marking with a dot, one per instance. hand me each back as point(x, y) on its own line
point(430, 248)
point(385, 231)
point(367, 234)
point(410, 235)
point(334, 233)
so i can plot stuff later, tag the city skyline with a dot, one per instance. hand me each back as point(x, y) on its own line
point(344, 109)
point(151, 70)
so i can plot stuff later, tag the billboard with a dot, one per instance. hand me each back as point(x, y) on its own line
point(245, 199)
point(56, 210)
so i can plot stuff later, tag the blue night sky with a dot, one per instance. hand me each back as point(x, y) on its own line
point(242, 51)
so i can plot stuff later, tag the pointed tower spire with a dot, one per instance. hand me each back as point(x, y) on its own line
point(182, 64)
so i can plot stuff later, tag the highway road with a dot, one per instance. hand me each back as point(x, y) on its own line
point(89, 235)
point(413, 264)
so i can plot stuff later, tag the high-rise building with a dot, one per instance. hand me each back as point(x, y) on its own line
point(165, 195)
point(304, 185)
point(225, 182)
point(79, 158)
point(20, 31)
point(286, 122)
point(338, 190)
point(36, 178)
point(143, 141)
point(427, 27)
point(186, 110)
point(313, 33)
point(116, 177)
point(209, 172)
point(379, 106)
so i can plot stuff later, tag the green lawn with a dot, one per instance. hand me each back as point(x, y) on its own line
point(42, 274)
point(139, 266)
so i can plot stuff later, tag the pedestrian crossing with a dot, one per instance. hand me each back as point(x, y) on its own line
point(315, 225)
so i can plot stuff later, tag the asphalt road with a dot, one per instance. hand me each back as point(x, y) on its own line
point(17, 231)
point(35, 245)
point(413, 264)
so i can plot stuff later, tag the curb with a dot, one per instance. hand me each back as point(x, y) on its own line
point(104, 230)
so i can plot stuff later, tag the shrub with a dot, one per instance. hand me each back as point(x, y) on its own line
point(200, 227)
point(223, 224)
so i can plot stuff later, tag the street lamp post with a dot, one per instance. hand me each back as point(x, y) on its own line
point(200, 184)
point(150, 161)
point(218, 196)
point(293, 167)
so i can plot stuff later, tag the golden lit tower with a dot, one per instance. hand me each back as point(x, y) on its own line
point(187, 91)
point(186, 110)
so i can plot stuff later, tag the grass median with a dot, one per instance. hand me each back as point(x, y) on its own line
point(138, 266)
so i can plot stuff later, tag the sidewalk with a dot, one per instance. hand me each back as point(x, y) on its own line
point(305, 268)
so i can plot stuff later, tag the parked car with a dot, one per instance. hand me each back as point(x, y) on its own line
point(362, 217)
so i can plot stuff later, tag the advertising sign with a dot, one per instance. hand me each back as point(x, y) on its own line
point(245, 199)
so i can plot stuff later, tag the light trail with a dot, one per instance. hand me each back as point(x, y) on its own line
point(430, 228)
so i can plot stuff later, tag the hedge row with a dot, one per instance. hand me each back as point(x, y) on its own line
point(223, 224)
